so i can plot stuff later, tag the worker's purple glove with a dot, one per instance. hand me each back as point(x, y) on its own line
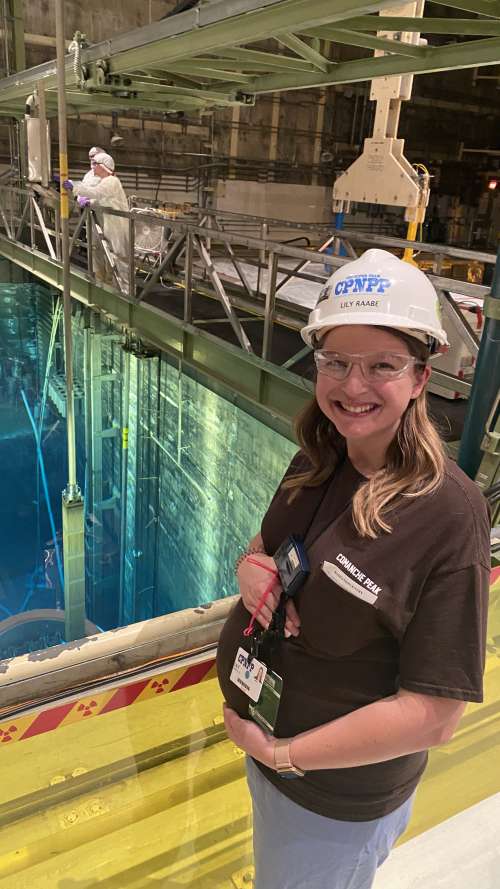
point(56, 178)
point(82, 201)
point(68, 184)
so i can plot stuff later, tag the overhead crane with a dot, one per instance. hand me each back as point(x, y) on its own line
point(224, 53)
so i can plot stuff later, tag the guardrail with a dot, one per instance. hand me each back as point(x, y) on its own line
point(192, 242)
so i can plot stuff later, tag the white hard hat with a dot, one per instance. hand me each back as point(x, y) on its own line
point(380, 289)
point(95, 150)
point(105, 160)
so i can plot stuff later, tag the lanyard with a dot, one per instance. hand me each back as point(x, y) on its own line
point(276, 629)
point(251, 626)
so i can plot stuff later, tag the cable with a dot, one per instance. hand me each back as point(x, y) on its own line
point(45, 487)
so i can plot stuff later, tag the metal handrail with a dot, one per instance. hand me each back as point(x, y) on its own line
point(203, 229)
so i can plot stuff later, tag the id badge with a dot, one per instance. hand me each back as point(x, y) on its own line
point(248, 674)
point(265, 711)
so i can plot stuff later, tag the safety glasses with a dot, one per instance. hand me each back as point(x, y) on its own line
point(375, 366)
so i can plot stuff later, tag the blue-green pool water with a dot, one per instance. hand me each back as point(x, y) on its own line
point(165, 517)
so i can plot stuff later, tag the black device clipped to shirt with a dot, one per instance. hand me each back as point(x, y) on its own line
point(292, 564)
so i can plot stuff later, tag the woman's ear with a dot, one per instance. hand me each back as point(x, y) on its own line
point(421, 381)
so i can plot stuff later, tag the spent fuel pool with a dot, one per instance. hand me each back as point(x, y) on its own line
point(165, 517)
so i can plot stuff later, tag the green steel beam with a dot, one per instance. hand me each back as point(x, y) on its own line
point(482, 7)
point(305, 51)
point(352, 38)
point(174, 79)
point(103, 101)
point(251, 60)
point(158, 89)
point(279, 18)
point(268, 392)
point(206, 72)
point(465, 27)
point(207, 29)
point(17, 10)
point(220, 28)
point(473, 54)
point(266, 60)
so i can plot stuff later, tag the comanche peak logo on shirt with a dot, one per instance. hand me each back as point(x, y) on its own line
point(352, 579)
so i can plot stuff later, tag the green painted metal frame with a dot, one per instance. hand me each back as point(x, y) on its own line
point(218, 48)
point(269, 393)
point(17, 12)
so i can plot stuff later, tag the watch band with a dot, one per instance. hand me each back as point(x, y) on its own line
point(282, 760)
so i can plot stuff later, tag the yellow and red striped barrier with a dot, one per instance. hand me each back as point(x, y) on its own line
point(23, 727)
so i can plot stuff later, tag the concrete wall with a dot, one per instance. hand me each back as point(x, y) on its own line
point(294, 203)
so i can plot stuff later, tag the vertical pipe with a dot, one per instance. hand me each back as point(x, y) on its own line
point(485, 384)
point(273, 140)
point(6, 38)
point(72, 487)
point(262, 255)
point(32, 223)
point(123, 496)
point(42, 115)
point(188, 279)
point(131, 256)
point(272, 274)
point(58, 232)
point(318, 136)
point(72, 501)
point(233, 142)
point(337, 245)
point(354, 118)
point(17, 7)
point(90, 237)
point(411, 235)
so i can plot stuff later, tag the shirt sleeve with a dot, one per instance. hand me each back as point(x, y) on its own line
point(98, 193)
point(443, 649)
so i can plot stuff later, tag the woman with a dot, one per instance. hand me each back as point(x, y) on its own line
point(385, 641)
point(108, 192)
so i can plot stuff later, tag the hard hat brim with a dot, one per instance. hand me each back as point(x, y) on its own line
point(370, 319)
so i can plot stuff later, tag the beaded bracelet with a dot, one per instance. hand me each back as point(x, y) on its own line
point(252, 550)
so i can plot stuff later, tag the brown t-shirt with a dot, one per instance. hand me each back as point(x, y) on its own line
point(405, 610)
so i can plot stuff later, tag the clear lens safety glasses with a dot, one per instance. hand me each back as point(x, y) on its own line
point(375, 366)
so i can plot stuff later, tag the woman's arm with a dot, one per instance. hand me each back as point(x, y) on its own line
point(401, 724)
point(404, 723)
point(97, 193)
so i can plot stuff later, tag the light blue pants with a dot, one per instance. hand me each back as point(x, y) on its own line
point(297, 849)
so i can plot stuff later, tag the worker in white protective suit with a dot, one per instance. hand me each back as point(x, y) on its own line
point(108, 193)
point(90, 177)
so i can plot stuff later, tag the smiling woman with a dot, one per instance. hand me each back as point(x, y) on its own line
point(373, 659)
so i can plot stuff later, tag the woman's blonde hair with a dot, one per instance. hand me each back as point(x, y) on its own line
point(415, 459)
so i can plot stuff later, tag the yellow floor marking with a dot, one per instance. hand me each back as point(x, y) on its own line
point(107, 803)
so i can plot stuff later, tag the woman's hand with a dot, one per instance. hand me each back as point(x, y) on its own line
point(247, 735)
point(292, 623)
point(254, 580)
